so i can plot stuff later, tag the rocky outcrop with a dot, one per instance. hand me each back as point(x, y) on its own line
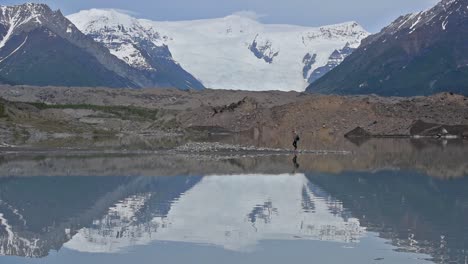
point(263, 51)
point(308, 61)
point(334, 60)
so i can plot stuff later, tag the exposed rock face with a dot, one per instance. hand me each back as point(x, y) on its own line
point(418, 54)
point(308, 61)
point(334, 60)
point(263, 51)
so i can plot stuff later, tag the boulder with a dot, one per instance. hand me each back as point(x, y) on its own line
point(358, 132)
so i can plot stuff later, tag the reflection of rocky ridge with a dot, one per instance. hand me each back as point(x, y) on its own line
point(42, 213)
point(234, 212)
point(415, 213)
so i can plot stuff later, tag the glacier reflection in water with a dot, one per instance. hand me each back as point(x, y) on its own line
point(234, 212)
point(238, 218)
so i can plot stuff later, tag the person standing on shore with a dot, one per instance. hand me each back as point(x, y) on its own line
point(296, 139)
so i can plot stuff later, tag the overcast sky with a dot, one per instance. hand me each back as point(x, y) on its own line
point(372, 14)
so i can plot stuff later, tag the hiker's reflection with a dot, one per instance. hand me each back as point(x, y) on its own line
point(295, 163)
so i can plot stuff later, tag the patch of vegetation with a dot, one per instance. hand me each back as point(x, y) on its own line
point(122, 112)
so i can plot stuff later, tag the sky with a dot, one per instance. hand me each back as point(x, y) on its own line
point(372, 14)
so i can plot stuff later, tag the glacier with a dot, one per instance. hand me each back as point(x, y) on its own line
point(235, 52)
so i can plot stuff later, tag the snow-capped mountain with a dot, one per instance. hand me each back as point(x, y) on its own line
point(138, 46)
point(39, 46)
point(234, 52)
point(418, 54)
point(122, 34)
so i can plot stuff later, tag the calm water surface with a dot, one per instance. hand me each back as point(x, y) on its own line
point(382, 203)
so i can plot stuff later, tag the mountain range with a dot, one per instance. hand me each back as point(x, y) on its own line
point(418, 54)
point(234, 52)
point(95, 47)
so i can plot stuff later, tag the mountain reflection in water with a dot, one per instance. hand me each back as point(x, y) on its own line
point(119, 203)
point(233, 212)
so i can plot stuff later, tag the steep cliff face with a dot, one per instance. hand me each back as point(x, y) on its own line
point(418, 54)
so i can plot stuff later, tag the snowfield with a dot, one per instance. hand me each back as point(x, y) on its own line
point(234, 52)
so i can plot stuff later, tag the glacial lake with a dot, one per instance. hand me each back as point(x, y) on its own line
point(390, 201)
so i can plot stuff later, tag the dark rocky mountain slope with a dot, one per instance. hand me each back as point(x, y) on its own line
point(418, 54)
point(40, 46)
